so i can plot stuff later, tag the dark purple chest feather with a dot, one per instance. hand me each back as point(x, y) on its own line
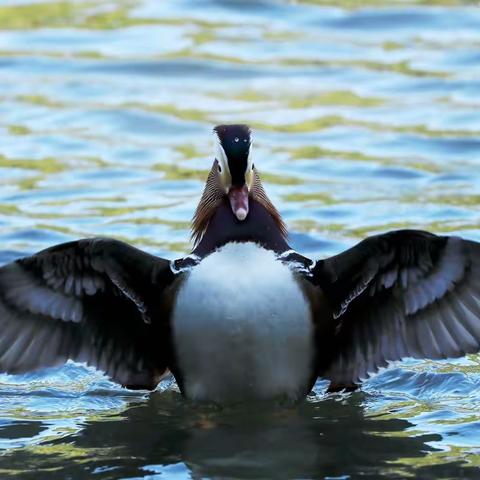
point(258, 227)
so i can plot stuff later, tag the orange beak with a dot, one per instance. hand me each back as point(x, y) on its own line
point(238, 197)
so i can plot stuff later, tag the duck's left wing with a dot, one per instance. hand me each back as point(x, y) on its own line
point(402, 294)
point(94, 300)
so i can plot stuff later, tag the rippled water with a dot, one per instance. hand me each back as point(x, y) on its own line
point(367, 118)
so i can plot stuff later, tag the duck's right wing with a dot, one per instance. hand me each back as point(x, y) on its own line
point(93, 300)
point(402, 294)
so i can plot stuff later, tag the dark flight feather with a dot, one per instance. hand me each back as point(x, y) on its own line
point(89, 301)
point(402, 294)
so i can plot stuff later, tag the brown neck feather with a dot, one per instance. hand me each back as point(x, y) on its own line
point(212, 197)
point(259, 194)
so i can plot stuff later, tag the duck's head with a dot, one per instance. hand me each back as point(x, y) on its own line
point(233, 180)
point(234, 164)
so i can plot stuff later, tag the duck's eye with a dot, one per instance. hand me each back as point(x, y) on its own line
point(219, 168)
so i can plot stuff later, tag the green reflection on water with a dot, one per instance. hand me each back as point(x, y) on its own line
point(189, 151)
point(9, 209)
point(44, 165)
point(173, 224)
point(192, 114)
point(334, 97)
point(140, 241)
point(40, 100)
point(355, 4)
point(331, 121)
point(18, 130)
point(318, 197)
point(86, 15)
point(68, 201)
point(176, 172)
point(315, 152)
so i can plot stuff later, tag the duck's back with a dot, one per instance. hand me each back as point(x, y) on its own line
point(242, 328)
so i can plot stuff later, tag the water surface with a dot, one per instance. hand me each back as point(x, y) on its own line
point(366, 118)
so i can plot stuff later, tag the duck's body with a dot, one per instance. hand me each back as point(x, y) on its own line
point(242, 328)
point(243, 316)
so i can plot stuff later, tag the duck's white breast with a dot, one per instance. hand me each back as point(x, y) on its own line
point(242, 328)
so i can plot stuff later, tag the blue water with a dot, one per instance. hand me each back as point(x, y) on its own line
point(366, 118)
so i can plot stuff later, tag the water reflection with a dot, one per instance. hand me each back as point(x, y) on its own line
point(329, 438)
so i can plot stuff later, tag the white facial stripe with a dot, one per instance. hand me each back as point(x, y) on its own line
point(249, 158)
point(220, 153)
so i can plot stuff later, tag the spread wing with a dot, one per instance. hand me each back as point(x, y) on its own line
point(93, 301)
point(402, 294)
